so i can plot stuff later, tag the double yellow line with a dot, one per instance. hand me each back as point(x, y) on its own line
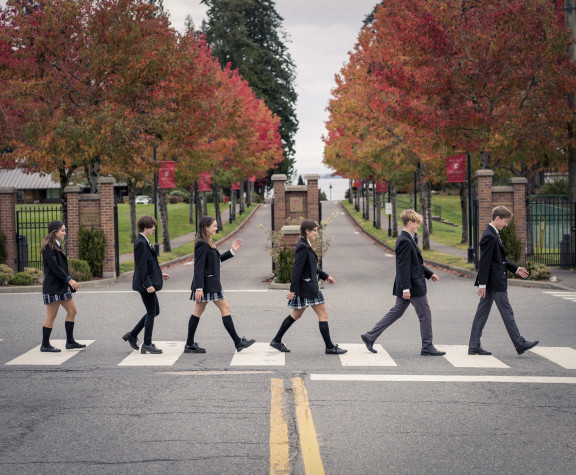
point(279, 432)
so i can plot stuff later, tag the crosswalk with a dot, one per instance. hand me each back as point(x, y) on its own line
point(262, 355)
point(562, 294)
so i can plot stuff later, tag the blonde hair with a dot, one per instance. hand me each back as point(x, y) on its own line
point(410, 215)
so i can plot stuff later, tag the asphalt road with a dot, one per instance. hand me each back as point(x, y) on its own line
point(222, 412)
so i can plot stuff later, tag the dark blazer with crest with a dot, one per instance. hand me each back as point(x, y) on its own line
point(411, 273)
point(207, 261)
point(56, 274)
point(493, 263)
point(147, 271)
point(305, 272)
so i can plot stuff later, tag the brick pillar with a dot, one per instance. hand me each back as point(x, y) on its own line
point(290, 236)
point(484, 198)
point(312, 196)
point(279, 200)
point(73, 224)
point(107, 225)
point(8, 225)
point(519, 185)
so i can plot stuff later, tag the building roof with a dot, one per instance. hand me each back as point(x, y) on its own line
point(19, 179)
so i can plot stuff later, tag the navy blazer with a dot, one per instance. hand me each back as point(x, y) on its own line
point(207, 267)
point(305, 272)
point(56, 274)
point(493, 263)
point(147, 271)
point(411, 273)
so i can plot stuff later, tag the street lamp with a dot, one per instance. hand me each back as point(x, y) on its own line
point(330, 191)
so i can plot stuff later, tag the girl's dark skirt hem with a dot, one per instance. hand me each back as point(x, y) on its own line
point(50, 298)
point(209, 297)
point(303, 302)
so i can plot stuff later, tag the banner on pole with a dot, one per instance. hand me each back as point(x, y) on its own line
point(252, 179)
point(381, 187)
point(204, 182)
point(167, 175)
point(357, 184)
point(235, 186)
point(456, 168)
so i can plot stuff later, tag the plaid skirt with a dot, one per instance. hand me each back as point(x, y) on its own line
point(49, 298)
point(303, 302)
point(209, 297)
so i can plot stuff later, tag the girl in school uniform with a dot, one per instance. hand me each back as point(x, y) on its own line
point(304, 290)
point(57, 287)
point(206, 286)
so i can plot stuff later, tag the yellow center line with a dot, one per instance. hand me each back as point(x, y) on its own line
point(308, 441)
point(279, 442)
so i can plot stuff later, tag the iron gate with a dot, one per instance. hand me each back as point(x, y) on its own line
point(31, 229)
point(549, 235)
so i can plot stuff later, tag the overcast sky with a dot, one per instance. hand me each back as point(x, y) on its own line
point(321, 33)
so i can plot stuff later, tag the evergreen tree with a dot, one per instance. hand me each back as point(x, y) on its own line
point(249, 35)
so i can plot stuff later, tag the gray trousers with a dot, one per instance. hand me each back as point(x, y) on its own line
point(424, 315)
point(482, 313)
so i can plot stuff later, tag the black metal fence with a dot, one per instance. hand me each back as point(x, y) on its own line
point(549, 222)
point(31, 229)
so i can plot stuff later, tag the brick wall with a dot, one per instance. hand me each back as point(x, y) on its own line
point(8, 224)
point(312, 199)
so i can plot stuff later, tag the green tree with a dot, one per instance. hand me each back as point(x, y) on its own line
point(248, 35)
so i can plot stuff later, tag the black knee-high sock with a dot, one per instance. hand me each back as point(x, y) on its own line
point(46, 336)
point(192, 325)
point(325, 331)
point(69, 326)
point(287, 323)
point(229, 325)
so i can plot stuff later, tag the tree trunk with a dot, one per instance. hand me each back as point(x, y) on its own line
point(131, 184)
point(378, 201)
point(242, 182)
point(92, 171)
point(429, 195)
point(423, 209)
point(462, 191)
point(218, 216)
point(64, 181)
point(192, 205)
point(204, 203)
point(233, 204)
point(392, 191)
point(249, 193)
point(163, 206)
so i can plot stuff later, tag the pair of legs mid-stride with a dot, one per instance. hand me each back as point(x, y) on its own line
point(51, 312)
point(224, 307)
point(320, 309)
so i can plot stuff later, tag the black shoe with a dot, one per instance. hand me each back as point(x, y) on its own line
point(50, 349)
point(478, 351)
point(151, 348)
point(335, 350)
point(279, 346)
point(432, 352)
point(194, 348)
point(132, 340)
point(527, 346)
point(369, 344)
point(244, 343)
point(74, 346)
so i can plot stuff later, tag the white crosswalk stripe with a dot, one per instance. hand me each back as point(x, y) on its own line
point(458, 356)
point(171, 351)
point(358, 355)
point(35, 357)
point(564, 295)
point(259, 354)
point(561, 355)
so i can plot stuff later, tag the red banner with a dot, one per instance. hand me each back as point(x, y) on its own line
point(204, 183)
point(235, 186)
point(381, 187)
point(357, 184)
point(252, 178)
point(166, 175)
point(456, 168)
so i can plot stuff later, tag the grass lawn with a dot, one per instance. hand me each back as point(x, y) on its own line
point(441, 234)
point(189, 248)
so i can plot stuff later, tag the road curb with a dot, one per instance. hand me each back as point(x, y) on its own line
point(459, 270)
point(13, 289)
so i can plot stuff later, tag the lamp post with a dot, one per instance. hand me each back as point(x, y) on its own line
point(470, 248)
point(330, 191)
point(156, 244)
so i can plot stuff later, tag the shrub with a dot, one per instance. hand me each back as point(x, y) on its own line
point(5, 273)
point(36, 274)
point(21, 278)
point(175, 199)
point(538, 271)
point(79, 270)
point(512, 244)
point(2, 248)
point(91, 248)
point(185, 195)
point(285, 264)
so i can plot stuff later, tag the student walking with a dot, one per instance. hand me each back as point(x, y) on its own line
point(305, 292)
point(57, 287)
point(409, 287)
point(492, 285)
point(148, 280)
point(206, 286)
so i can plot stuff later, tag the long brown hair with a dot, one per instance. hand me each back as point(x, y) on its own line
point(50, 239)
point(205, 222)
